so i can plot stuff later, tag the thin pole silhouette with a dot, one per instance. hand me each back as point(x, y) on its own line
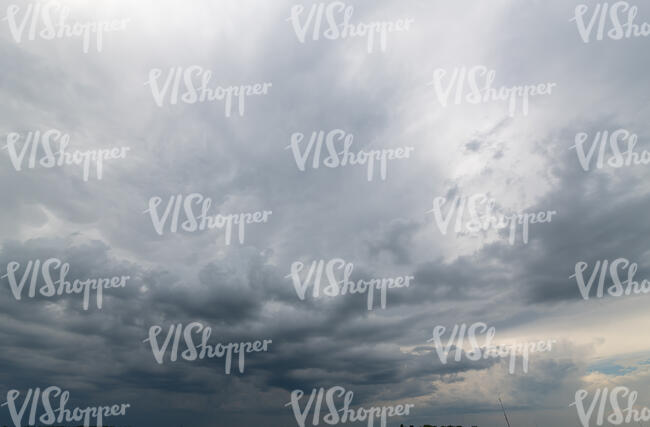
point(504, 411)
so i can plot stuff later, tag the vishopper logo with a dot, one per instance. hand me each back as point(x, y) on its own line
point(618, 158)
point(36, 141)
point(195, 81)
point(618, 288)
point(172, 216)
point(618, 416)
point(474, 85)
point(50, 287)
point(482, 217)
point(49, 21)
point(49, 417)
point(195, 352)
point(336, 140)
point(322, 269)
point(344, 414)
point(332, 22)
point(618, 19)
point(488, 350)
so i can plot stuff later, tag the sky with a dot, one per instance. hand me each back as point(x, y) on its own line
point(386, 228)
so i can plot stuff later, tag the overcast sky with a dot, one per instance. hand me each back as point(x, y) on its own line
point(385, 228)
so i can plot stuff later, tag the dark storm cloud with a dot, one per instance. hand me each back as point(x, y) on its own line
point(242, 164)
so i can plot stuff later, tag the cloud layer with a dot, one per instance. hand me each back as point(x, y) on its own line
point(383, 227)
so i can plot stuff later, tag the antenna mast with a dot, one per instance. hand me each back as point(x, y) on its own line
point(504, 411)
